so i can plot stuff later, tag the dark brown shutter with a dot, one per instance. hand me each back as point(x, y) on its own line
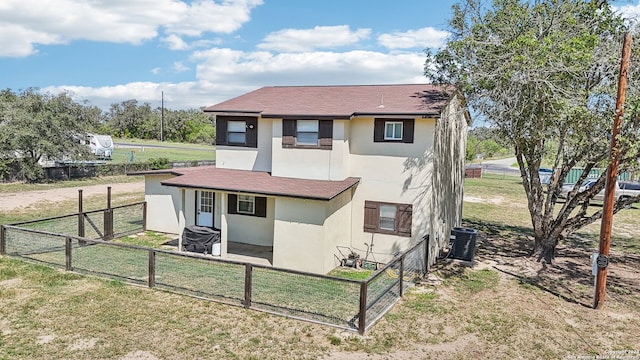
point(407, 130)
point(378, 130)
point(252, 132)
point(288, 133)
point(221, 131)
point(403, 218)
point(261, 206)
point(371, 216)
point(232, 205)
point(325, 134)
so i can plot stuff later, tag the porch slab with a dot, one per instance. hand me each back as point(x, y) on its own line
point(254, 254)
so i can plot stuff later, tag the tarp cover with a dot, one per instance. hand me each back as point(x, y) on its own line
point(200, 238)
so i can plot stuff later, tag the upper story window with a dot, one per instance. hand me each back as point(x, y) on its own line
point(388, 218)
point(393, 130)
point(237, 131)
point(307, 134)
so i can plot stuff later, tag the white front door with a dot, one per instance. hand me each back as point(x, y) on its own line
point(205, 208)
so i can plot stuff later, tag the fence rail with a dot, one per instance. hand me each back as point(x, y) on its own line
point(343, 303)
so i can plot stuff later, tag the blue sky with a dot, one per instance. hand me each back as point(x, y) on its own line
point(202, 52)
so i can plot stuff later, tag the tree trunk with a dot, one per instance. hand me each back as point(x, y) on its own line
point(546, 249)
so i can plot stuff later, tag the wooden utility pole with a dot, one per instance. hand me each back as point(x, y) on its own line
point(610, 186)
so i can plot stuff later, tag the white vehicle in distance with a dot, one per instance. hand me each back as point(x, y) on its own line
point(624, 189)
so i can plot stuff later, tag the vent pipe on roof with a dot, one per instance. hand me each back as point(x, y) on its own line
point(381, 101)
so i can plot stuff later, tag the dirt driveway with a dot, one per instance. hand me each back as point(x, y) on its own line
point(13, 201)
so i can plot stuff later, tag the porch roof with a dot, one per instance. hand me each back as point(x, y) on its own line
point(254, 182)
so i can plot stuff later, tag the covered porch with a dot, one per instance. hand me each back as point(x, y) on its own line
point(272, 221)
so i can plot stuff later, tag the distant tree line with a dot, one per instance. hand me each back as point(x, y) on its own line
point(130, 119)
point(36, 126)
point(485, 143)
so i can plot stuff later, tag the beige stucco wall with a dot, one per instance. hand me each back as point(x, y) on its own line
point(312, 163)
point(163, 205)
point(448, 180)
point(298, 234)
point(337, 229)
point(395, 173)
point(242, 158)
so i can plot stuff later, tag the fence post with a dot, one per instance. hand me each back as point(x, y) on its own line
point(67, 254)
point(80, 215)
point(152, 268)
point(401, 273)
point(108, 224)
point(3, 241)
point(362, 314)
point(248, 276)
point(144, 216)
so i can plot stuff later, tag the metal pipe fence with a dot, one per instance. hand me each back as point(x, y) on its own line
point(343, 303)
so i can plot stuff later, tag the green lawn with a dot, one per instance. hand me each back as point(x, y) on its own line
point(527, 311)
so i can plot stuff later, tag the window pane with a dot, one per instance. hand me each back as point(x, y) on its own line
point(245, 204)
point(388, 211)
point(305, 138)
point(388, 217)
point(238, 138)
point(245, 207)
point(388, 131)
point(307, 125)
point(398, 131)
point(387, 224)
point(236, 126)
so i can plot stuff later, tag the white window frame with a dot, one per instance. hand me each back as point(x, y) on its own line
point(389, 208)
point(240, 124)
point(250, 199)
point(312, 127)
point(394, 135)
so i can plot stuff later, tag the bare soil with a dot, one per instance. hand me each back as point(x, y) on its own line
point(14, 201)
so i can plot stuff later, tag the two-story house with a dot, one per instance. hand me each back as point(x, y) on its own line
point(306, 170)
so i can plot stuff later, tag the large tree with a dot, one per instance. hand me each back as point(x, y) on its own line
point(544, 74)
point(35, 126)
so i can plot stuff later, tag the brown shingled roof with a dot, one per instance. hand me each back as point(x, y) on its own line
point(339, 101)
point(254, 182)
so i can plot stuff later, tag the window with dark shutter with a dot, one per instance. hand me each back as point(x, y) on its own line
point(288, 133)
point(221, 131)
point(370, 216)
point(237, 131)
point(248, 205)
point(388, 218)
point(325, 134)
point(393, 130)
point(307, 134)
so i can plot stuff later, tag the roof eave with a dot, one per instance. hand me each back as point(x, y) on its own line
point(267, 193)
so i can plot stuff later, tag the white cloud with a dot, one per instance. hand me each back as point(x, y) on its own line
point(209, 16)
point(255, 69)
point(155, 71)
point(422, 38)
point(178, 66)
point(175, 42)
point(320, 37)
point(32, 22)
point(176, 96)
point(225, 73)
